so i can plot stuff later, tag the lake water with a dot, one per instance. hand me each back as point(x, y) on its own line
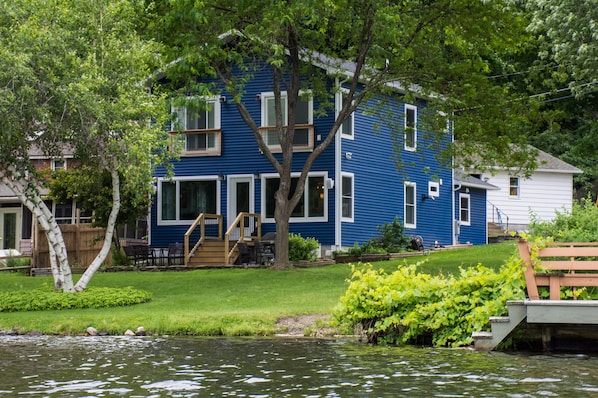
point(51, 366)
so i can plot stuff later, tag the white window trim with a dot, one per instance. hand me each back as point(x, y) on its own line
point(414, 185)
point(214, 101)
point(352, 176)
point(518, 188)
point(53, 162)
point(462, 196)
point(265, 96)
point(182, 110)
point(414, 147)
point(339, 105)
point(324, 218)
point(177, 220)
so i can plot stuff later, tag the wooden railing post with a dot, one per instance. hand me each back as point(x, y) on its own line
point(530, 279)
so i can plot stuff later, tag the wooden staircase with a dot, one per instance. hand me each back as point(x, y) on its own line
point(211, 253)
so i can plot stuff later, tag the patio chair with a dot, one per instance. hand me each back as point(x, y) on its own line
point(176, 254)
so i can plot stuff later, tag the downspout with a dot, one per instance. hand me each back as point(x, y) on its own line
point(337, 177)
point(454, 217)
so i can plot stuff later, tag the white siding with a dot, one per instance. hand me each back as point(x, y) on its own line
point(543, 194)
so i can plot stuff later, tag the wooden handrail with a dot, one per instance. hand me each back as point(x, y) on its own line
point(201, 222)
point(239, 222)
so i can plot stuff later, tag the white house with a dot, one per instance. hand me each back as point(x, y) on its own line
point(547, 190)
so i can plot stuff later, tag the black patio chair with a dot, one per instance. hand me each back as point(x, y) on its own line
point(244, 253)
point(176, 254)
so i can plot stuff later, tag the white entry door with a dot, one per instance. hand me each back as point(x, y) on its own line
point(240, 199)
point(10, 228)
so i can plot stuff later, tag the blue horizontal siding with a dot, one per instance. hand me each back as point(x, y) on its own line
point(240, 155)
point(476, 232)
point(381, 166)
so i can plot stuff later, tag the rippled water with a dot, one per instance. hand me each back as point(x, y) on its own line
point(273, 367)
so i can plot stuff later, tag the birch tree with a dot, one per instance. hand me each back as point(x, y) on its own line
point(72, 75)
point(443, 46)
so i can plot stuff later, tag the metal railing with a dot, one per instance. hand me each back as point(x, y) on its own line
point(497, 217)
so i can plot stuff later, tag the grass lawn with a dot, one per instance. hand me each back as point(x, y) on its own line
point(222, 301)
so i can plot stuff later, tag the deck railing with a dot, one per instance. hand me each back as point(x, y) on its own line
point(201, 221)
point(248, 226)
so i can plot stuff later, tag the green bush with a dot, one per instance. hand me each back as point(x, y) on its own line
point(17, 262)
point(93, 297)
point(407, 306)
point(119, 258)
point(577, 225)
point(391, 237)
point(302, 249)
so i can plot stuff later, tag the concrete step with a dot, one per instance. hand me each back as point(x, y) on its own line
point(501, 326)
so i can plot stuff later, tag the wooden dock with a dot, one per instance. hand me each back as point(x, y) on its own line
point(551, 318)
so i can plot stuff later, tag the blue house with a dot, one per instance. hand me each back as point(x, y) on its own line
point(376, 168)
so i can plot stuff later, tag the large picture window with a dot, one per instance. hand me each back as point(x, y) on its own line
point(347, 197)
point(199, 124)
point(304, 131)
point(410, 209)
point(410, 127)
point(312, 206)
point(184, 200)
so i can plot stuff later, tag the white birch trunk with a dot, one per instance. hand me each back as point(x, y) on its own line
point(105, 250)
point(30, 198)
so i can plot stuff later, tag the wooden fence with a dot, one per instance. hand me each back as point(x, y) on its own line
point(82, 241)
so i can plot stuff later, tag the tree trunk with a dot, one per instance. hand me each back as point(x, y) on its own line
point(282, 214)
point(105, 250)
point(61, 270)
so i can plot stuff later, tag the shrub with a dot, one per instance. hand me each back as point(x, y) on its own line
point(577, 225)
point(17, 262)
point(302, 249)
point(93, 297)
point(407, 306)
point(390, 237)
point(119, 257)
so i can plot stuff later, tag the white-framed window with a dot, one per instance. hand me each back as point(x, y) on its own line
point(347, 197)
point(182, 200)
point(58, 164)
point(514, 187)
point(313, 206)
point(198, 124)
point(465, 209)
point(410, 126)
point(303, 140)
point(347, 128)
point(410, 206)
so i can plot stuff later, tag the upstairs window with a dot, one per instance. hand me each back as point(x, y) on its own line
point(514, 187)
point(304, 130)
point(59, 164)
point(346, 128)
point(410, 127)
point(199, 126)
